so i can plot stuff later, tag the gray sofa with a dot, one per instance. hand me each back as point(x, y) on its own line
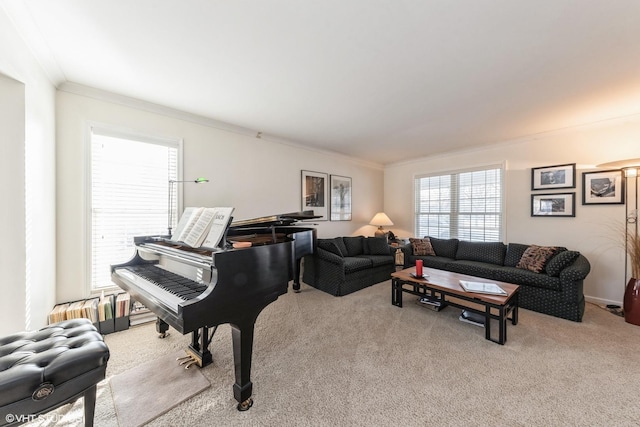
point(550, 284)
point(343, 265)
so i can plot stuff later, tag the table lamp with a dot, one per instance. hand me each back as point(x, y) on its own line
point(380, 219)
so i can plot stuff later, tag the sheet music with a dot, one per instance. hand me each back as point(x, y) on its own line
point(186, 223)
point(200, 228)
point(217, 227)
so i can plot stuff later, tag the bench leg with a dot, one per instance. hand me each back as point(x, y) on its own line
point(89, 406)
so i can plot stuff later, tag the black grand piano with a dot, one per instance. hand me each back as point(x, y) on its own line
point(195, 289)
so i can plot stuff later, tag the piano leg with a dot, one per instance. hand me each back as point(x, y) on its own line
point(296, 275)
point(161, 328)
point(242, 335)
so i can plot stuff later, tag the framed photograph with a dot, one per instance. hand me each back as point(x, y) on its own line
point(556, 204)
point(603, 187)
point(558, 176)
point(314, 193)
point(340, 198)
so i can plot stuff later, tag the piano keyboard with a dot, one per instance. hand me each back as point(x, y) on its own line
point(151, 277)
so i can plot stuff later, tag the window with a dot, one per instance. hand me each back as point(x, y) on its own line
point(466, 205)
point(129, 187)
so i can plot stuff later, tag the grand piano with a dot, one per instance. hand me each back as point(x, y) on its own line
point(195, 289)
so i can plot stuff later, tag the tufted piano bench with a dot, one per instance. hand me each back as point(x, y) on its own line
point(45, 369)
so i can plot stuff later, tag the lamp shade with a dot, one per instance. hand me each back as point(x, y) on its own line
point(380, 219)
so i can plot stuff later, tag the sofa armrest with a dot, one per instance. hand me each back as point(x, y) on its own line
point(407, 250)
point(577, 271)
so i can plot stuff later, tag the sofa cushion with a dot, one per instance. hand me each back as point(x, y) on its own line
point(378, 260)
point(490, 252)
point(352, 264)
point(444, 247)
point(422, 246)
point(431, 261)
point(354, 245)
point(474, 268)
point(536, 257)
point(330, 245)
point(514, 253)
point(376, 246)
point(560, 261)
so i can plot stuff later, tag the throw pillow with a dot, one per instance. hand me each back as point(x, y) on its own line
point(354, 245)
point(536, 257)
point(422, 246)
point(329, 246)
point(560, 261)
point(377, 246)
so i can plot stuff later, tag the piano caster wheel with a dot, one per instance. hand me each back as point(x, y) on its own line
point(163, 335)
point(243, 406)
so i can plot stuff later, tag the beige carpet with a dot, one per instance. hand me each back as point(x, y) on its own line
point(147, 391)
point(359, 361)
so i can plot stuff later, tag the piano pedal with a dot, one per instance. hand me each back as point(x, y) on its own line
point(183, 359)
point(189, 360)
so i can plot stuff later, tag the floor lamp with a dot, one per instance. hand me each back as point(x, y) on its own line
point(172, 183)
point(630, 169)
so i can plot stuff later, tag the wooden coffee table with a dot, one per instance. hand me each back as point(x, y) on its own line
point(445, 287)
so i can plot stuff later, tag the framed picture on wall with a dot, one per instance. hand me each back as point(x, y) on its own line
point(549, 177)
point(340, 198)
point(314, 193)
point(603, 187)
point(555, 204)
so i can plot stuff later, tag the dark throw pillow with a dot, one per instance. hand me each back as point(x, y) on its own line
point(560, 261)
point(330, 246)
point(377, 246)
point(354, 245)
point(422, 247)
point(536, 257)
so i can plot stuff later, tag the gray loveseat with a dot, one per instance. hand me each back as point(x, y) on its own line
point(343, 265)
point(551, 278)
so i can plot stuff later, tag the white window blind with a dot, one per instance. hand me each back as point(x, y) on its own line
point(129, 196)
point(465, 205)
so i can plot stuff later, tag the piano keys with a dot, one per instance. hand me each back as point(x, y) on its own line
point(194, 290)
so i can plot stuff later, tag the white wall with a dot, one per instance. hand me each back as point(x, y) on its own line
point(590, 232)
point(256, 176)
point(28, 192)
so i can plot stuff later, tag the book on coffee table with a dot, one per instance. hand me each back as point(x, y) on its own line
point(482, 288)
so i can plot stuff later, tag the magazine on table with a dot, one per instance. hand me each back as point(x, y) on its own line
point(482, 288)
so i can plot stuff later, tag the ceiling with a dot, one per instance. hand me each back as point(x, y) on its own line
point(382, 81)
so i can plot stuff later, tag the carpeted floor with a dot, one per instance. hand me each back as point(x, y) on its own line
point(359, 361)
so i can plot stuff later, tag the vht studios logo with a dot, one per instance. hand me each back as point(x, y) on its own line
point(25, 418)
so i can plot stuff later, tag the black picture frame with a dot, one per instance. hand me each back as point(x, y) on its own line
point(553, 205)
point(552, 177)
point(314, 192)
point(341, 190)
point(603, 187)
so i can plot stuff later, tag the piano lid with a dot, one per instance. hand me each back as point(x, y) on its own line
point(280, 219)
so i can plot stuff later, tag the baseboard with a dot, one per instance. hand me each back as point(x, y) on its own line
point(601, 301)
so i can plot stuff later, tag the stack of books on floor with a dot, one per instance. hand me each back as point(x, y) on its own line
point(109, 313)
point(431, 303)
point(473, 318)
